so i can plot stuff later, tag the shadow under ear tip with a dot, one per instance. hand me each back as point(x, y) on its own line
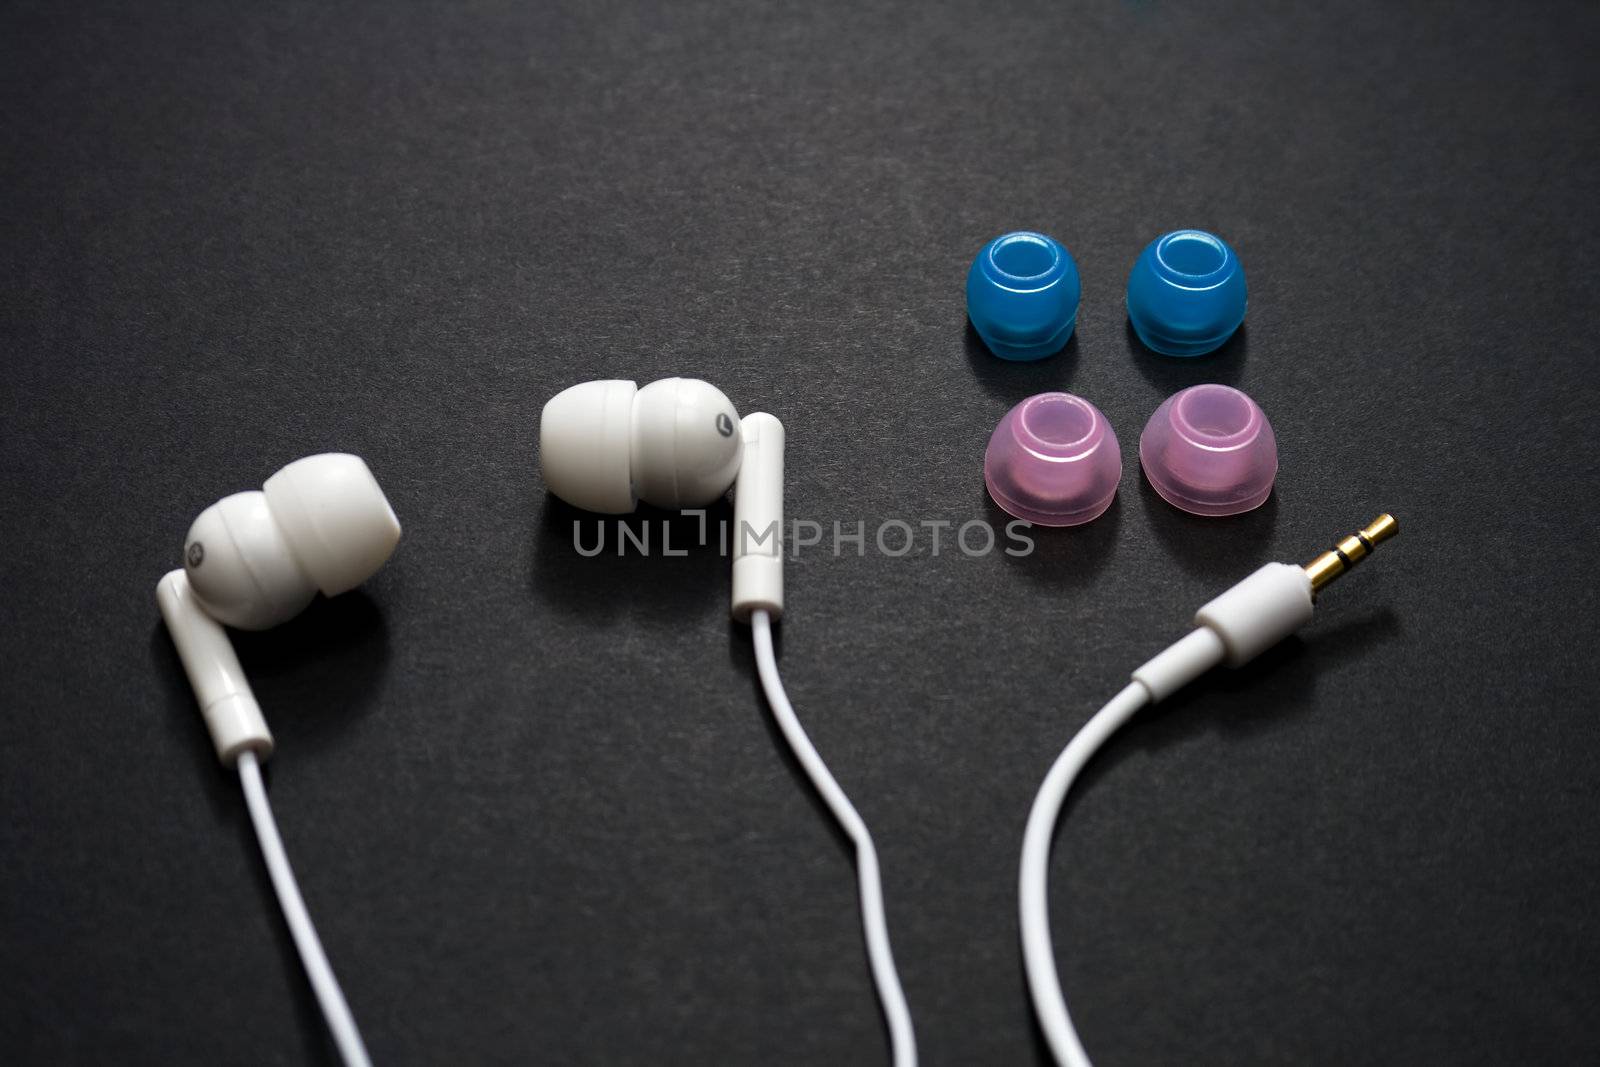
point(1058, 557)
point(1209, 546)
point(555, 512)
point(1013, 380)
point(350, 620)
point(1172, 373)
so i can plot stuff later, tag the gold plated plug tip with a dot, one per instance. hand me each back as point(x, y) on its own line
point(1350, 551)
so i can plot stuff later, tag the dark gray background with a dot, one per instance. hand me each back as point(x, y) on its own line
point(536, 803)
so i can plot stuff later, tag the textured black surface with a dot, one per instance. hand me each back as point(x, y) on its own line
point(538, 809)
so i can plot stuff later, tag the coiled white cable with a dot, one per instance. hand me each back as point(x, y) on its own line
point(342, 1024)
point(902, 1039)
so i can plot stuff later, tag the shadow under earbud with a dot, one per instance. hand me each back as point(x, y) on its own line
point(663, 565)
point(1172, 373)
point(1061, 557)
point(1207, 546)
point(1014, 380)
point(345, 634)
point(316, 672)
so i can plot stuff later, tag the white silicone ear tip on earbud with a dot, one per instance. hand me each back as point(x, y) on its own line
point(686, 443)
point(584, 446)
point(335, 518)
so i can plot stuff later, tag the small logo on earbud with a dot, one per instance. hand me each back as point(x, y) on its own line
point(725, 424)
point(195, 554)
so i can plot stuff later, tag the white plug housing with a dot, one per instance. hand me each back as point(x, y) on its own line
point(758, 519)
point(1259, 612)
point(1181, 663)
point(1234, 628)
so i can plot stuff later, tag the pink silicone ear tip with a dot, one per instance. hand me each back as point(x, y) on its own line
point(1209, 450)
point(1053, 460)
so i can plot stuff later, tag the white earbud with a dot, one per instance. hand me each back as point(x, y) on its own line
point(606, 445)
point(253, 560)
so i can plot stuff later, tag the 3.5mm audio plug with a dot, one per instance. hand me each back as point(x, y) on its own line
point(1233, 628)
point(1350, 551)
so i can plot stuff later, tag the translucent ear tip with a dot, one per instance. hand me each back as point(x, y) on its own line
point(1209, 450)
point(1186, 294)
point(1022, 295)
point(335, 518)
point(1054, 461)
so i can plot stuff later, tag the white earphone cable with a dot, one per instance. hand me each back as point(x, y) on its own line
point(901, 1037)
point(323, 983)
point(1234, 628)
point(1038, 954)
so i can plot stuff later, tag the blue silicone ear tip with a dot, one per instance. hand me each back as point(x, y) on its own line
point(1022, 295)
point(1186, 294)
